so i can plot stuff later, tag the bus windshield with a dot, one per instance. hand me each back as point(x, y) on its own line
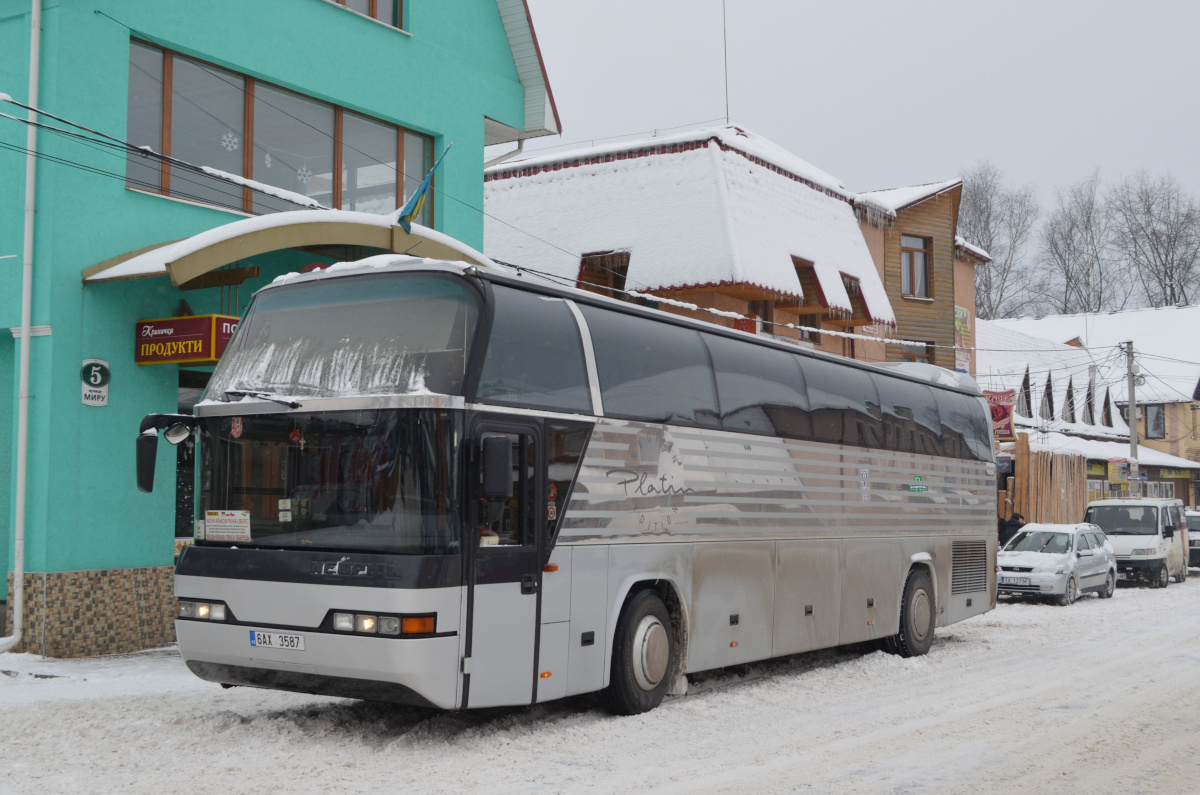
point(1130, 520)
point(379, 480)
point(377, 334)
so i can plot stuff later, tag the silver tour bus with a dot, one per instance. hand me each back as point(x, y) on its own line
point(436, 484)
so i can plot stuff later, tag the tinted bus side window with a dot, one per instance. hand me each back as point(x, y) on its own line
point(910, 416)
point(650, 371)
point(761, 389)
point(535, 356)
point(966, 426)
point(844, 403)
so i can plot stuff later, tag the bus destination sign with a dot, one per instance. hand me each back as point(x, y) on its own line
point(199, 339)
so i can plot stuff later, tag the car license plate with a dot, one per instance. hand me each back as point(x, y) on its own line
point(1014, 580)
point(276, 640)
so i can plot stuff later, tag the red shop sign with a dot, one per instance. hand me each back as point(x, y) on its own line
point(199, 339)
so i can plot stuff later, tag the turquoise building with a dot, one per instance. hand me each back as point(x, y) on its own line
point(338, 108)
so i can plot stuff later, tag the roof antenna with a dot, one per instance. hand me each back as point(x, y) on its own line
point(725, 47)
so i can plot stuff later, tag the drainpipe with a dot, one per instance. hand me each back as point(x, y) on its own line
point(497, 160)
point(18, 603)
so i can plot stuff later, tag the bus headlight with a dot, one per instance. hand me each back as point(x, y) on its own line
point(205, 611)
point(343, 622)
point(389, 625)
point(364, 623)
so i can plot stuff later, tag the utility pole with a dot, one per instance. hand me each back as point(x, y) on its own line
point(1131, 373)
point(725, 51)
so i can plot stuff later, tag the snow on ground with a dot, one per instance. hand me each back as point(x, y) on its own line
point(1098, 697)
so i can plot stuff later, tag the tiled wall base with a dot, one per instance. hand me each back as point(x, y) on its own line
point(84, 613)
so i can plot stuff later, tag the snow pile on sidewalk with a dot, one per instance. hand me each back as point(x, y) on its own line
point(1028, 697)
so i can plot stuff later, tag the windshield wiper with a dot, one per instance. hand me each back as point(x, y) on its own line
point(291, 404)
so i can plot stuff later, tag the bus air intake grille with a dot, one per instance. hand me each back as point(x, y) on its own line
point(968, 574)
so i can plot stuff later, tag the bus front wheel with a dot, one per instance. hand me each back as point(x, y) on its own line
point(643, 656)
point(918, 617)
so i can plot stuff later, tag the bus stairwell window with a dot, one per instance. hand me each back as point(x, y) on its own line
point(505, 522)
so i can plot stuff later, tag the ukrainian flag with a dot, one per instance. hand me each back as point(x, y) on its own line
point(413, 207)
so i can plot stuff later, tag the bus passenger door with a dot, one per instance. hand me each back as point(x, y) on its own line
point(506, 571)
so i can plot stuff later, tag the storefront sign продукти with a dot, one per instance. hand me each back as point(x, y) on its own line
point(198, 339)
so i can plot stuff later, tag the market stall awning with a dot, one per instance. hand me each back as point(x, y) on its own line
point(184, 260)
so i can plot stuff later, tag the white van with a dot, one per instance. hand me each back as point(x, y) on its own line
point(1149, 537)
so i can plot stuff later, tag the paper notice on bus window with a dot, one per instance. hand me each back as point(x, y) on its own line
point(227, 525)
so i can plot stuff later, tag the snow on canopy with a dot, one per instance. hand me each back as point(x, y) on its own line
point(1163, 342)
point(705, 208)
point(154, 262)
point(963, 243)
point(897, 199)
point(1004, 356)
point(1099, 450)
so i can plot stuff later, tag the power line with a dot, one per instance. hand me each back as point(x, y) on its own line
point(592, 141)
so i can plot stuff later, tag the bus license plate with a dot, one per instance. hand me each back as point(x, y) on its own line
point(1014, 580)
point(276, 640)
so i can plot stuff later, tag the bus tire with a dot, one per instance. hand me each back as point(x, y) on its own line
point(918, 617)
point(643, 656)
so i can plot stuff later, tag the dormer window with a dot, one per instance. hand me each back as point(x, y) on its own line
point(1047, 411)
point(1024, 401)
point(604, 272)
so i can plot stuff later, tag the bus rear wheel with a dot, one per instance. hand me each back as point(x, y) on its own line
point(918, 616)
point(643, 656)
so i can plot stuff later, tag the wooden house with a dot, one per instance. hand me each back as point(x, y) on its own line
point(928, 271)
point(716, 219)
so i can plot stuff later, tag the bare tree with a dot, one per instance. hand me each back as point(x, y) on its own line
point(999, 219)
point(1080, 271)
point(1157, 228)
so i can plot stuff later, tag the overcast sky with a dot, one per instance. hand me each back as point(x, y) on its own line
point(886, 94)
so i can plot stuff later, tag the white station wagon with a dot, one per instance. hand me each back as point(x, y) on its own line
point(1057, 560)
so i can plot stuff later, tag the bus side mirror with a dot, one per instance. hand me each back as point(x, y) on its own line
point(497, 468)
point(147, 451)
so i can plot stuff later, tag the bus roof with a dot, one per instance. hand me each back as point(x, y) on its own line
point(515, 276)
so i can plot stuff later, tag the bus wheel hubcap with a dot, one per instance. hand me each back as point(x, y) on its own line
point(921, 614)
point(652, 653)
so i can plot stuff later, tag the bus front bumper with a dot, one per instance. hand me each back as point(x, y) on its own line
point(420, 671)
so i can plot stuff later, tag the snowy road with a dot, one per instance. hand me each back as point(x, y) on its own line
point(1103, 696)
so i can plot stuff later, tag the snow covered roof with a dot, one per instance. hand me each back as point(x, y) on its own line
point(962, 243)
point(1164, 341)
point(708, 207)
point(1095, 450)
point(897, 199)
point(1004, 356)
